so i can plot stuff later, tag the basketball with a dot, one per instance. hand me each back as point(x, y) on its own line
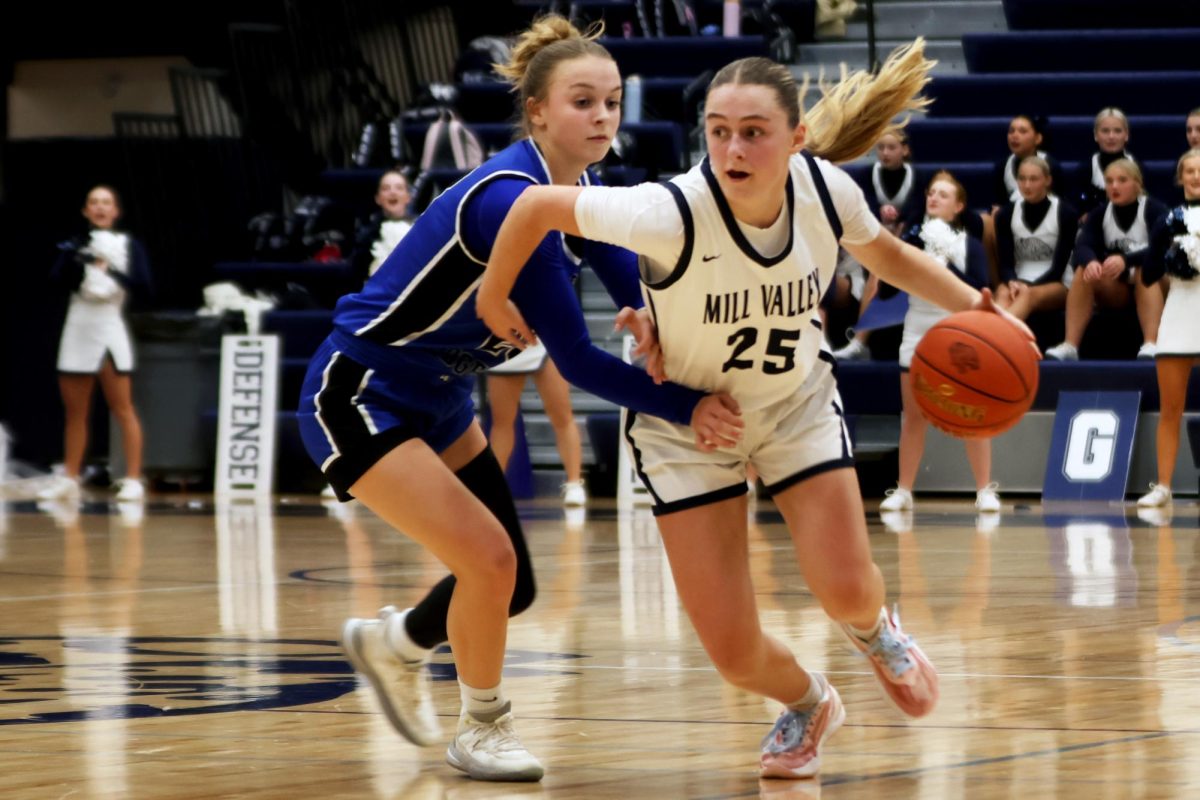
point(974, 375)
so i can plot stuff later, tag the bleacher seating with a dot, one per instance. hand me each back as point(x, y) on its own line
point(1082, 51)
point(1067, 94)
point(1083, 14)
point(685, 56)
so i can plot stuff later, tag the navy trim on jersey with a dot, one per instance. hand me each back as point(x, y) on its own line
point(805, 474)
point(818, 180)
point(736, 232)
point(630, 417)
point(466, 198)
point(443, 285)
point(828, 358)
point(689, 238)
point(716, 496)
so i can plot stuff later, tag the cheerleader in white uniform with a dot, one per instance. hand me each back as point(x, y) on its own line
point(96, 342)
point(894, 198)
point(1026, 133)
point(376, 239)
point(1111, 132)
point(1110, 251)
point(1175, 253)
point(736, 254)
point(943, 236)
point(1034, 237)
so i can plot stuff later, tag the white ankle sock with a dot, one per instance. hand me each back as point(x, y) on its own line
point(871, 633)
point(398, 639)
point(481, 702)
point(816, 690)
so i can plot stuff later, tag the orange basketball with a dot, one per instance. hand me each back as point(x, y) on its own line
point(974, 374)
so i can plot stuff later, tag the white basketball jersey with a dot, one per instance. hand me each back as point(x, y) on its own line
point(735, 320)
point(1033, 251)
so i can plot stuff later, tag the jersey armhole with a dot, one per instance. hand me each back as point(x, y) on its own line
point(689, 240)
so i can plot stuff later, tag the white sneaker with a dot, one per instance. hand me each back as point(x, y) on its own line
point(1158, 496)
point(400, 686)
point(1147, 351)
point(130, 490)
point(574, 494)
point(1063, 352)
point(489, 750)
point(60, 487)
point(854, 351)
point(987, 499)
point(898, 499)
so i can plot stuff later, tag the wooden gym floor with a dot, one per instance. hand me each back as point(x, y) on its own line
point(189, 652)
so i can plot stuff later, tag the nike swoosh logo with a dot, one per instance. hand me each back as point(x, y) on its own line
point(710, 258)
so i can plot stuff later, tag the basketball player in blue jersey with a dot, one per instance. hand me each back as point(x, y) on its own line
point(386, 406)
point(736, 254)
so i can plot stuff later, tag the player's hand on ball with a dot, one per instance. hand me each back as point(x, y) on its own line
point(717, 422)
point(645, 335)
point(504, 320)
point(987, 302)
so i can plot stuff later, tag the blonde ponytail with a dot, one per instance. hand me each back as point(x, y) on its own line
point(551, 39)
point(851, 116)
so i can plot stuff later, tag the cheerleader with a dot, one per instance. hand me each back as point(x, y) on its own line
point(735, 256)
point(1034, 237)
point(893, 197)
point(1193, 128)
point(1111, 132)
point(1175, 253)
point(1025, 137)
point(375, 240)
point(100, 273)
point(944, 238)
point(1109, 253)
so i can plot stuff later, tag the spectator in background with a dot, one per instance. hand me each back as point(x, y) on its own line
point(1193, 128)
point(1175, 254)
point(1026, 133)
point(1034, 237)
point(1111, 132)
point(505, 383)
point(894, 198)
point(1110, 252)
point(376, 238)
point(944, 237)
point(100, 272)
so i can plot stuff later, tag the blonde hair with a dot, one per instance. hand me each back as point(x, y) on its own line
point(851, 116)
point(1039, 162)
point(1189, 155)
point(1115, 113)
point(550, 40)
point(1130, 168)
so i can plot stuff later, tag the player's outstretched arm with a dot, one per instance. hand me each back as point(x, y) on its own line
point(537, 211)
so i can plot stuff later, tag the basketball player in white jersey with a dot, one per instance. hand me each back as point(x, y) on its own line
point(735, 257)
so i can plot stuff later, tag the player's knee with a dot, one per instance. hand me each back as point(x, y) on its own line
point(494, 564)
point(846, 596)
